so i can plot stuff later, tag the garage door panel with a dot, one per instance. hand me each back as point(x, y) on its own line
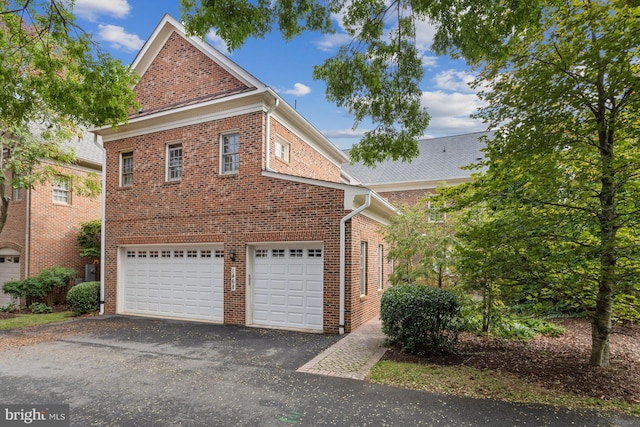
point(288, 286)
point(177, 282)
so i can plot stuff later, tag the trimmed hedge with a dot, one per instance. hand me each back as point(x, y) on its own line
point(84, 298)
point(421, 319)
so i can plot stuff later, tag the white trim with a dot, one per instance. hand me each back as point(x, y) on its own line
point(181, 117)
point(168, 144)
point(418, 185)
point(120, 170)
point(221, 170)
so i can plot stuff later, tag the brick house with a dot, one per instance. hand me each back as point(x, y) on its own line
point(440, 162)
point(224, 204)
point(43, 222)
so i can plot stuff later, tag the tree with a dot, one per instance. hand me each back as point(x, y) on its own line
point(54, 81)
point(89, 238)
point(564, 166)
point(421, 244)
point(377, 73)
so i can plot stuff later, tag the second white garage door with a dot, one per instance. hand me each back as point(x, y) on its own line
point(288, 286)
point(183, 282)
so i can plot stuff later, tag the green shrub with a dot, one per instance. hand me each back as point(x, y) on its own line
point(89, 239)
point(421, 319)
point(40, 308)
point(13, 288)
point(84, 297)
point(40, 286)
point(10, 308)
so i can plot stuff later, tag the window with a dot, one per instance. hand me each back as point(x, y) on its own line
point(174, 162)
point(295, 253)
point(17, 194)
point(380, 266)
point(62, 190)
point(230, 153)
point(363, 268)
point(282, 151)
point(277, 253)
point(434, 209)
point(126, 169)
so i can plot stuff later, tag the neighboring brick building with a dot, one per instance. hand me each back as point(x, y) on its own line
point(43, 222)
point(440, 162)
point(224, 204)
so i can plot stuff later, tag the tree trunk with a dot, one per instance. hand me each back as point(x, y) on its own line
point(601, 322)
point(4, 206)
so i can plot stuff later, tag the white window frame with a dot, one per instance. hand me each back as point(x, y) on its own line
point(174, 163)
point(62, 190)
point(363, 268)
point(231, 158)
point(435, 216)
point(17, 194)
point(126, 173)
point(380, 266)
point(282, 150)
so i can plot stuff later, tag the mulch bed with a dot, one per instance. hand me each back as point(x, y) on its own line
point(556, 363)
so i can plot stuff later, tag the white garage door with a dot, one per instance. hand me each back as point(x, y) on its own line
point(288, 284)
point(183, 282)
point(9, 270)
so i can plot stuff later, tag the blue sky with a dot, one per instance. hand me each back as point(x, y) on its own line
point(122, 26)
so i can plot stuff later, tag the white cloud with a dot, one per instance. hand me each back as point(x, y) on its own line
point(455, 80)
point(299, 89)
point(331, 42)
point(429, 61)
point(118, 38)
point(344, 133)
point(217, 41)
point(450, 112)
point(91, 9)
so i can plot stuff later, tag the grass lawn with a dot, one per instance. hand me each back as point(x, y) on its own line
point(24, 320)
point(471, 382)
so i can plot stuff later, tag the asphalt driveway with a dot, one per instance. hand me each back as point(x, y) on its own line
point(125, 371)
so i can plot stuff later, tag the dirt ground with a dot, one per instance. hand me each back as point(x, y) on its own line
point(556, 363)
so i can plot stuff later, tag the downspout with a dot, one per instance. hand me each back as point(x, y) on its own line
point(267, 163)
point(102, 220)
point(343, 251)
point(27, 233)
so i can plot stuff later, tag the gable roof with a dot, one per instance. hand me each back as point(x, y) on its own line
point(255, 96)
point(440, 159)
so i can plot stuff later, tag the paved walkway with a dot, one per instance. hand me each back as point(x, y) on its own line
point(353, 356)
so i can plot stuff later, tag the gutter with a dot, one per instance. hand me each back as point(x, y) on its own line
point(267, 162)
point(102, 220)
point(27, 234)
point(343, 250)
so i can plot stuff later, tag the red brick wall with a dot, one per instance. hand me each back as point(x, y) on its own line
point(13, 233)
point(360, 309)
point(406, 197)
point(55, 227)
point(303, 159)
point(208, 207)
point(182, 73)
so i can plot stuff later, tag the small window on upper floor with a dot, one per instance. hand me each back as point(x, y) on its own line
point(126, 169)
point(174, 161)
point(62, 190)
point(230, 153)
point(282, 151)
point(17, 194)
point(435, 210)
